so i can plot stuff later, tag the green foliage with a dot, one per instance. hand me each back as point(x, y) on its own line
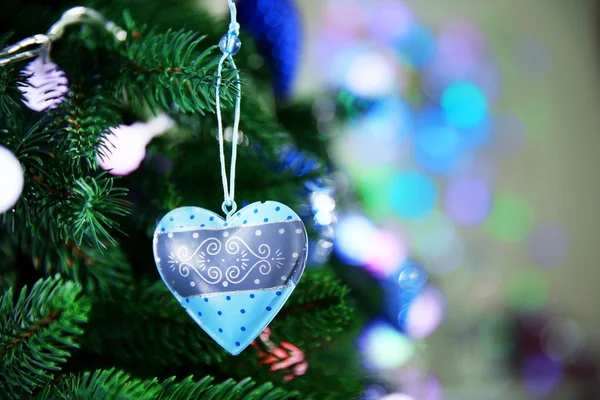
point(317, 311)
point(169, 336)
point(118, 385)
point(170, 71)
point(109, 384)
point(39, 329)
point(227, 390)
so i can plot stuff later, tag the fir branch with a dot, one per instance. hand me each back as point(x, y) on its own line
point(99, 384)
point(114, 384)
point(231, 390)
point(88, 213)
point(38, 330)
point(99, 271)
point(170, 71)
point(317, 310)
point(170, 337)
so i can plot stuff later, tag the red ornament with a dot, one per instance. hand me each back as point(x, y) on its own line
point(287, 357)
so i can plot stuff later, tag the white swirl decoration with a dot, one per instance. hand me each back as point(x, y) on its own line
point(233, 247)
point(213, 247)
point(234, 271)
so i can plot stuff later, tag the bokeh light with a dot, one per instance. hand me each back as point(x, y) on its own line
point(436, 148)
point(436, 241)
point(413, 194)
point(548, 245)
point(541, 375)
point(366, 71)
point(527, 291)
point(419, 384)
point(461, 47)
point(464, 105)
point(468, 201)
point(425, 313)
point(383, 347)
point(563, 339)
point(397, 396)
point(416, 48)
point(388, 252)
point(354, 237)
point(511, 218)
point(389, 20)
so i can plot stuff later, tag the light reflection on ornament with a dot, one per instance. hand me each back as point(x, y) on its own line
point(411, 276)
point(383, 347)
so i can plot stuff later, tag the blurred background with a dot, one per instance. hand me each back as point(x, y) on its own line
point(462, 206)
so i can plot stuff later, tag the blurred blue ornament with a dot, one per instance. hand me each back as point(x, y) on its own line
point(230, 47)
point(411, 276)
point(276, 27)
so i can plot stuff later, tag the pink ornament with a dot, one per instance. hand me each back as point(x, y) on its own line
point(124, 149)
point(45, 86)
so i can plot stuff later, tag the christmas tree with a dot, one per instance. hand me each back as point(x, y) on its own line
point(84, 312)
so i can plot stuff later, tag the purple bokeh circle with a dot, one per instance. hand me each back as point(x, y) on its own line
point(468, 201)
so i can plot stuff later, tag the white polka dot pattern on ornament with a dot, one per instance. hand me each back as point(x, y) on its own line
point(258, 233)
point(195, 235)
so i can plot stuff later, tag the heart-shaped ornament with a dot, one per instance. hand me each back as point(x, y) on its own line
point(232, 276)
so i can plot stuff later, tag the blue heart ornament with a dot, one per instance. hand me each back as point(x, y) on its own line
point(232, 276)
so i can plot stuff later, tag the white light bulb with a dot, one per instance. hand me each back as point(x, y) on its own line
point(45, 86)
point(11, 179)
point(124, 148)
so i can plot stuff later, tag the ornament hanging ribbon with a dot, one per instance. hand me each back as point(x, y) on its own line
point(230, 44)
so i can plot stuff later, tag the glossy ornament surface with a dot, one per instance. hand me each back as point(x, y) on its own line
point(232, 276)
